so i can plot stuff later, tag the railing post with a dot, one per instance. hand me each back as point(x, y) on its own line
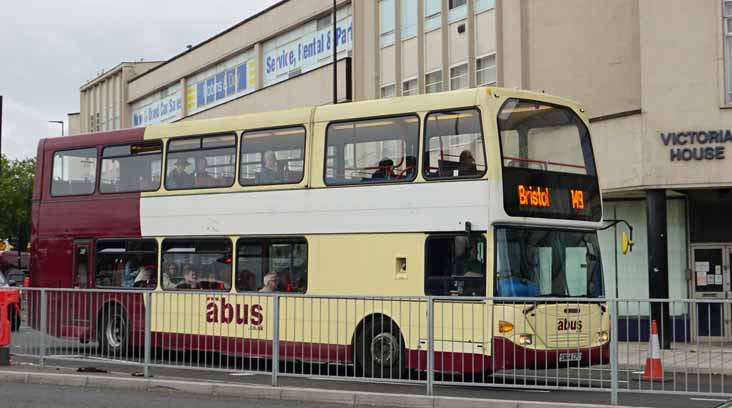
point(430, 345)
point(148, 340)
point(44, 320)
point(275, 338)
point(614, 351)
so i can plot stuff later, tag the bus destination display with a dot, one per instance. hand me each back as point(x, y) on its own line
point(547, 195)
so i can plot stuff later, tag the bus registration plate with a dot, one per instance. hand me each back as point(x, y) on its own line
point(567, 357)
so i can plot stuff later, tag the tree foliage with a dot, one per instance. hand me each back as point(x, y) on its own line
point(16, 191)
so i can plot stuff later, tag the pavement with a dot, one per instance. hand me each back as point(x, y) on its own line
point(20, 395)
point(697, 375)
point(692, 358)
point(248, 386)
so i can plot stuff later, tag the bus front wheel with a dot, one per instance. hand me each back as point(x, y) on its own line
point(380, 349)
point(113, 332)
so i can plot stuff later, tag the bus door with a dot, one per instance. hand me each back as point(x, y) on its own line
point(80, 302)
point(456, 268)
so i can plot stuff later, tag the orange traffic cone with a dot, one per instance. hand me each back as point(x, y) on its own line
point(654, 367)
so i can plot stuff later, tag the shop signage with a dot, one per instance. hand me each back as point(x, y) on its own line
point(696, 145)
point(161, 107)
point(307, 47)
point(221, 83)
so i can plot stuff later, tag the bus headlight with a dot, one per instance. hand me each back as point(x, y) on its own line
point(525, 339)
point(504, 326)
point(603, 336)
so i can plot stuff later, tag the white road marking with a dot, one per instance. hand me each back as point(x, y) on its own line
point(240, 374)
point(709, 399)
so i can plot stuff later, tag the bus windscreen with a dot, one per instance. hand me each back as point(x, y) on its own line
point(532, 262)
point(548, 165)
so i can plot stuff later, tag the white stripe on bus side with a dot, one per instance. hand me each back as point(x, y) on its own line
point(386, 208)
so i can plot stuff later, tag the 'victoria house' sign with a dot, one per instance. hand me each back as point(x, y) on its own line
point(696, 145)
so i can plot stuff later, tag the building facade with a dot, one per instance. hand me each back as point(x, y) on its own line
point(103, 103)
point(656, 82)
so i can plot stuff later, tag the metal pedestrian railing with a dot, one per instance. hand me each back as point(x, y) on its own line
point(546, 343)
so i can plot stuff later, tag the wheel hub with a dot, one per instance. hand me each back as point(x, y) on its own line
point(114, 332)
point(384, 349)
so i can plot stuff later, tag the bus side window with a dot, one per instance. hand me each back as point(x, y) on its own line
point(74, 172)
point(129, 263)
point(285, 258)
point(453, 146)
point(455, 266)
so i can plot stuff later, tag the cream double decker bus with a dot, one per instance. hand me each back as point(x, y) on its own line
point(348, 217)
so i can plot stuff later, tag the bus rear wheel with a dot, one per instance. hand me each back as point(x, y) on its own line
point(380, 349)
point(113, 332)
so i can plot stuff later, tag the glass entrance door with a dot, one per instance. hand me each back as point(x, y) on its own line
point(710, 269)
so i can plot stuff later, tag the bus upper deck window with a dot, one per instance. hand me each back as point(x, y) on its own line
point(454, 145)
point(201, 162)
point(74, 172)
point(540, 136)
point(273, 156)
point(382, 150)
point(133, 167)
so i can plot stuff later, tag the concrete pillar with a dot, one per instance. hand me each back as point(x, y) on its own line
point(658, 263)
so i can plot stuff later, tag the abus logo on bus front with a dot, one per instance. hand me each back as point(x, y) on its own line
point(567, 325)
point(218, 310)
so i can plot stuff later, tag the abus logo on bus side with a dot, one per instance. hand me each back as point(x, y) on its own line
point(221, 311)
point(567, 325)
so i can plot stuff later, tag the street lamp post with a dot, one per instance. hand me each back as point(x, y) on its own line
point(60, 122)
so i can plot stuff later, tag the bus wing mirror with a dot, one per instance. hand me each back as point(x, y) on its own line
point(626, 243)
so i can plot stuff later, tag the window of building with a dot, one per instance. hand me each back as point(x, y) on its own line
point(458, 10)
point(432, 15)
point(273, 156)
point(727, 24)
point(484, 5)
point(201, 162)
point(433, 81)
point(372, 150)
point(387, 22)
point(409, 19)
point(409, 87)
point(388, 91)
point(454, 145)
point(197, 264)
point(272, 265)
point(74, 172)
point(132, 167)
point(485, 70)
point(455, 265)
point(130, 263)
point(459, 76)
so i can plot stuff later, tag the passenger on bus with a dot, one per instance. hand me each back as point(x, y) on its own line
point(385, 171)
point(178, 178)
point(144, 278)
point(132, 269)
point(466, 167)
point(203, 179)
point(270, 172)
point(246, 281)
point(190, 278)
point(270, 283)
point(170, 271)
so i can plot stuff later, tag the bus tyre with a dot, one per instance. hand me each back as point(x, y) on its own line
point(380, 349)
point(14, 318)
point(113, 332)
